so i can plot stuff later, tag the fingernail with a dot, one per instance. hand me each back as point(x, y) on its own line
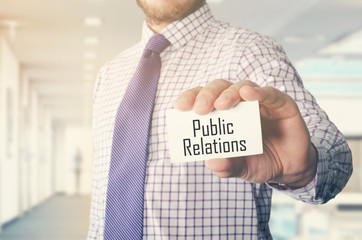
point(182, 100)
point(182, 103)
point(222, 98)
point(202, 103)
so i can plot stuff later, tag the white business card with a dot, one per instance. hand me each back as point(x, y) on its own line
point(219, 134)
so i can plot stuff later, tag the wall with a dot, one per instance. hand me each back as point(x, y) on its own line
point(345, 112)
point(26, 141)
point(9, 126)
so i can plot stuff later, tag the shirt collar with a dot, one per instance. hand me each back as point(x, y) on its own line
point(181, 31)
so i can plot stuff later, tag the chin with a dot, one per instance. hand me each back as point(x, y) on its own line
point(168, 10)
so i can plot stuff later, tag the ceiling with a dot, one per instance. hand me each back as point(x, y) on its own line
point(61, 55)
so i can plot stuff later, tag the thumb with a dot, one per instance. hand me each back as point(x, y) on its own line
point(274, 104)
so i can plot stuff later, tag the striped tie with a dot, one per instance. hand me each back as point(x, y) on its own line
point(124, 204)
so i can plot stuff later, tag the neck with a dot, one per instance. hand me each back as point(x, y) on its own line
point(156, 27)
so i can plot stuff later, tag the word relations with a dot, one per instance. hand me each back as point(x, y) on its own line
point(213, 145)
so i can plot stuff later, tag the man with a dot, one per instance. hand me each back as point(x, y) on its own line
point(212, 65)
point(77, 170)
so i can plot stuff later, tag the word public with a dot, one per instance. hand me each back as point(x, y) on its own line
point(208, 138)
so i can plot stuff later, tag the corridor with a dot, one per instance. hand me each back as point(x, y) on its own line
point(59, 218)
point(50, 56)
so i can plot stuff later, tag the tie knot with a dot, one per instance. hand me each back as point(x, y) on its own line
point(157, 43)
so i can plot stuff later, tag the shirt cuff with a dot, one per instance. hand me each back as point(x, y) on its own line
point(308, 192)
point(305, 194)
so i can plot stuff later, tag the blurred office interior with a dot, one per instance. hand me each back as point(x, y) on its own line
point(50, 52)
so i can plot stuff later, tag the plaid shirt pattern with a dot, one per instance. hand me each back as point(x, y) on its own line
point(186, 201)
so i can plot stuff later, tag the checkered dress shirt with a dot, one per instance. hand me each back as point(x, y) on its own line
point(186, 201)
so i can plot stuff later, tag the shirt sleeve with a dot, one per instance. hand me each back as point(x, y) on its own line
point(271, 67)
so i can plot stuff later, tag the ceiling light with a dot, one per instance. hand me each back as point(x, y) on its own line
point(88, 77)
point(9, 23)
point(88, 67)
point(90, 55)
point(91, 40)
point(92, 22)
point(215, 1)
point(87, 85)
point(12, 25)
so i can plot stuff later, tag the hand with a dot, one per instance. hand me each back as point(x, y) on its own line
point(289, 157)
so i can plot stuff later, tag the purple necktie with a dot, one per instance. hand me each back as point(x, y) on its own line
point(124, 204)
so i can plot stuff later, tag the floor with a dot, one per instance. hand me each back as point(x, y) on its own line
point(60, 218)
